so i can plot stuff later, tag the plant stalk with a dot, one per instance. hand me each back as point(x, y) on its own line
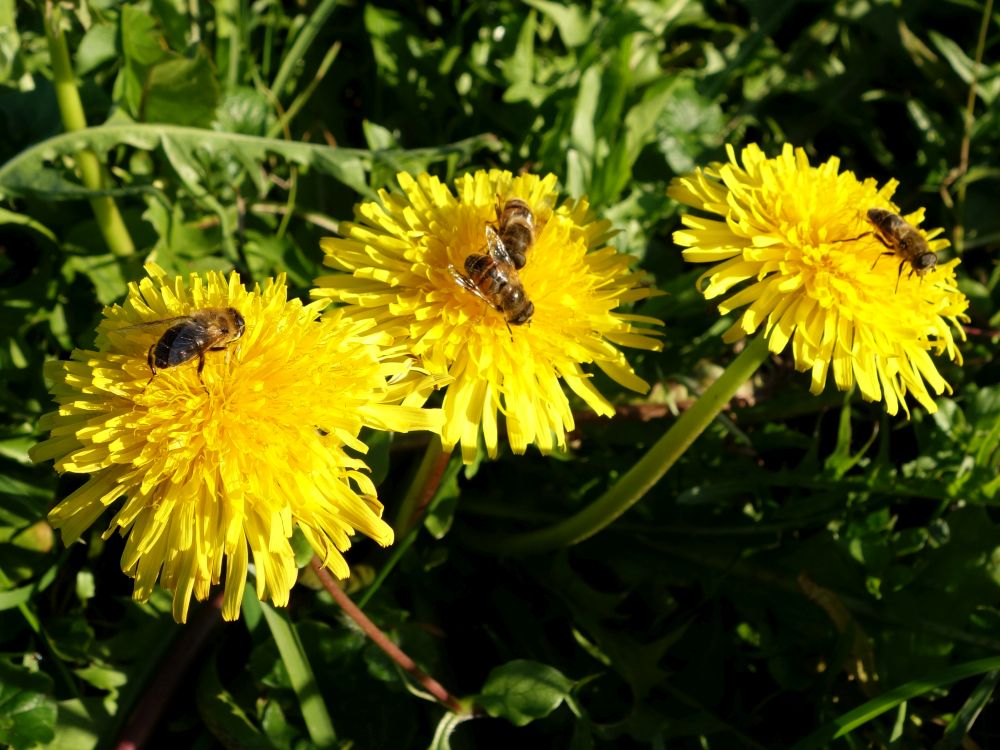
point(421, 490)
point(380, 639)
point(641, 478)
point(109, 220)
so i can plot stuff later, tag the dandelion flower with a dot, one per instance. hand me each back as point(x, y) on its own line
point(398, 257)
point(216, 466)
point(817, 277)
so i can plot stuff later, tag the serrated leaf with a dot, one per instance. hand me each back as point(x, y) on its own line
point(27, 710)
point(36, 170)
point(522, 691)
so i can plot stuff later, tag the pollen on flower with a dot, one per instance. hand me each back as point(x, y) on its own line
point(797, 242)
point(217, 468)
point(403, 259)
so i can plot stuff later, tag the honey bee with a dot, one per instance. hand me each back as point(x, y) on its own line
point(516, 226)
point(493, 278)
point(902, 240)
point(211, 329)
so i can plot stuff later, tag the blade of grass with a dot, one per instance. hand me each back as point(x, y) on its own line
point(300, 672)
point(874, 708)
point(301, 45)
point(300, 100)
point(958, 728)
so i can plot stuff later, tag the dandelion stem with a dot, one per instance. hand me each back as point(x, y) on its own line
point(171, 670)
point(641, 478)
point(381, 640)
point(425, 483)
point(300, 674)
point(109, 220)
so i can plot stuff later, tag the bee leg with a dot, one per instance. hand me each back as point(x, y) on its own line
point(900, 275)
point(510, 330)
point(885, 244)
point(152, 365)
point(852, 239)
point(877, 259)
point(201, 366)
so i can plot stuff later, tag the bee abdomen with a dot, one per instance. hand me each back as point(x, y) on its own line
point(482, 270)
point(177, 345)
point(517, 238)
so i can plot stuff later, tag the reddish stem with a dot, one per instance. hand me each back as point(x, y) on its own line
point(430, 486)
point(172, 669)
point(991, 332)
point(381, 640)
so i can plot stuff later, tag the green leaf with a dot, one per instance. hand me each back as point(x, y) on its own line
point(103, 271)
point(141, 49)
point(245, 110)
point(441, 510)
point(80, 724)
point(98, 46)
point(522, 691)
point(300, 547)
point(182, 91)
point(964, 66)
point(36, 171)
point(27, 710)
point(16, 597)
point(104, 678)
point(574, 26)
point(12, 217)
point(960, 725)
point(687, 126)
point(223, 715)
point(379, 442)
point(378, 137)
point(172, 16)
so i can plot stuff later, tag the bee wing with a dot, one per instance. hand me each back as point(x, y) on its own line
point(187, 342)
point(152, 323)
point(496, 247)
point(466, 282)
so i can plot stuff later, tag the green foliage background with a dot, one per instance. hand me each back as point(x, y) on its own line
point(807, 556)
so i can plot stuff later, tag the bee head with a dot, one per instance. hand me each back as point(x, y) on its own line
point(238, 321)
point(925, 261)
point(524, 316)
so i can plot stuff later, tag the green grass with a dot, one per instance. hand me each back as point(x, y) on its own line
point(704, 616)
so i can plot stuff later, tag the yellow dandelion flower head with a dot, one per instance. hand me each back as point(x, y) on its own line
point(406, 257)
point(817, 272)
point(218, 464)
